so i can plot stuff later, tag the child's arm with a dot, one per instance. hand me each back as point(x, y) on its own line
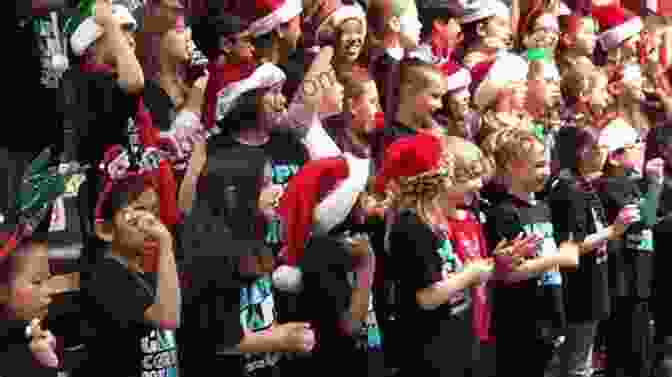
point(165, 312)
point(441, 292)
point(288, 337)
point(303, 114)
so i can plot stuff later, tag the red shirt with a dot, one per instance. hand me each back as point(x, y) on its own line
point(469, 243)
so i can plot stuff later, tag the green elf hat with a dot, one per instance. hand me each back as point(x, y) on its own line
point(83, 29)
point(41, 185)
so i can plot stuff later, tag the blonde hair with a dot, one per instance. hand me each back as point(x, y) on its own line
point(509, 145)
point(462, 160)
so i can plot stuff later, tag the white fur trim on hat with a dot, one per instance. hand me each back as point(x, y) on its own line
point(613, 37)
point(479, 10)
point(457, 6)
point(507, 69)
point(266, 24)
point(334, 209)
point(124, 15)
point(618, 134)
point(459, 79)
point(342, 14)
point(632, 72)
point(564, 9)
point(86, 34)
point(265, 76)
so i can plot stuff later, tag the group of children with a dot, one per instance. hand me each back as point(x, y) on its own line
point(379, 188)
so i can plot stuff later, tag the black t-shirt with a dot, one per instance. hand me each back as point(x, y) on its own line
point(37, 119)
point(631, 257)
point(211, 307)
point(662, 237)
point(16, 360)
point(103, 115)
point(579, 212)
point(123, 343)
point(286, 155)
point(440, 340)
point(541, 297)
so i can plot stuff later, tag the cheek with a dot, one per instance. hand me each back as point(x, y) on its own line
point(24, 296)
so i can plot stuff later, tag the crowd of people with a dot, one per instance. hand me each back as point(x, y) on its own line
point(360, 187)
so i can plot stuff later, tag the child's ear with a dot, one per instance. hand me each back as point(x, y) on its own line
point(105, 231)
point(394, 24)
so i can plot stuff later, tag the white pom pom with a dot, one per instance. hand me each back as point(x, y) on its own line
point(60, 63)
point(287, 278)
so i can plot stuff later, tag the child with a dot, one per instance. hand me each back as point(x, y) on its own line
point(420, 91)
point(24, 300)
point(229, 309)
point(457, 117)
point(577, 40)
point(432, 278)
point(441, 32)
point(631, 267)
point(120, 299)
point(353, 129)
point(464, 228)
point(534, 286)
point(663, 337)
point(577, 212)
point(228, 64)
point(393, 28)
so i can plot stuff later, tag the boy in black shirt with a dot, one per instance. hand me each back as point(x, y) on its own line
point(535, 285)
point(631, 265)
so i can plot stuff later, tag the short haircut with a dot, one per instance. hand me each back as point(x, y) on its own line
point(508, 145)
point(207, 31)
point(123, 193)
point(414, 72)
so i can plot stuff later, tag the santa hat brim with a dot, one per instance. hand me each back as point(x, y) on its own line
point(507, 69)
point(490, 9)
point(336, 206)
point(265, 76)
point(88, 32)
point(613, 37)
point(458, 80)
point(282, 15)
point(617, 135)
point(342, 14)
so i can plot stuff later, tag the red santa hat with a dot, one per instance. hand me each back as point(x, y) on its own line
point(266, 15)
point(409, 157)
point(618, 25)
point(507, 69)
point(457, 77)
point(318, 198)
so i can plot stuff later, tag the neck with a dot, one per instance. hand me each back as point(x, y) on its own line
point(168, 72)
point(520, 192)
point(391, 40)
point(358, 138)
point(590, 175)
point(253, 136)
point(407, 118)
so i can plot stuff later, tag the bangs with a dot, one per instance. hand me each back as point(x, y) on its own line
point(123, 193)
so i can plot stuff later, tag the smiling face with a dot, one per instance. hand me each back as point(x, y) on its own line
point(350, 42)
point(29, 294)
point(532, 171)
point(426, 100)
